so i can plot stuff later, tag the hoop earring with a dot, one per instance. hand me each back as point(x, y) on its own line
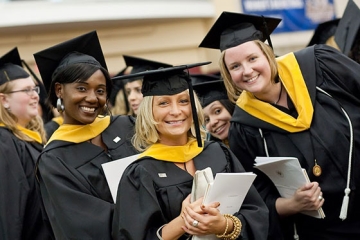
point(106, 111)
point(59, 105)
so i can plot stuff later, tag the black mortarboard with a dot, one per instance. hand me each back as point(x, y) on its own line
point(209, 88)
point(324, 31)
point(117, 86)
point(83, 49)
point(141, 64)
point(46, 109)
point(232, 29)
point(11, 68)
point(348, 27)
point(170, 81)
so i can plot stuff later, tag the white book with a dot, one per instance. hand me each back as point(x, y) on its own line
point(287, 175)
point(230, 189)
point(114, 170)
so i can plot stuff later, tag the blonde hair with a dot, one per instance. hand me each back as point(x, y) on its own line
point(146, 133)
point(119, 107)
point(232, 90)
point(10, 120)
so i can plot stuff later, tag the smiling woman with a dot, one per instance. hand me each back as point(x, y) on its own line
point(304, 104)
point(22, 136)
point(73, 185)
point(158, 184)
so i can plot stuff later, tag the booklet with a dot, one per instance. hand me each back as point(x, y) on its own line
point(230, 189)
point(287, 175)
point(113, 171)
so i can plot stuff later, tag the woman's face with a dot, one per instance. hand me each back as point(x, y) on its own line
point(23, 104)
point(249, 68)
point(83, 101)
point(134, 95)
point(217, 120)
point(174, 117)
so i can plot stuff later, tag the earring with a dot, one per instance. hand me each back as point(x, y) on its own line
point(59, 105)
point(6, 106)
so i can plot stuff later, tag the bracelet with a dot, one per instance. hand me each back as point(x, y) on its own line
point(158, 234)
point(226, 228)
point(237, 228)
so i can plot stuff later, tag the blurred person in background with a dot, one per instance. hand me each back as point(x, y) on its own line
point(22, 137)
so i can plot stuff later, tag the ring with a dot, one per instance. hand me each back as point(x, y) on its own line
point(321, 198)
point(195, 223)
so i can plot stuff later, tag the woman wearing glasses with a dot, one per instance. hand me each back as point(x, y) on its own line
point(22, 137)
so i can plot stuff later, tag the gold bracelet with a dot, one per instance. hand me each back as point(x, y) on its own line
point(226, 228)
point(237, 228)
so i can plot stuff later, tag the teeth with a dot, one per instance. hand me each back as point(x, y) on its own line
point(219, 129)
point(251, 79)
point(174, 122)
point(86, 109)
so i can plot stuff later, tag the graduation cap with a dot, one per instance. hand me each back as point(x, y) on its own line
point(46, 109)
point(348, 27)
point(83, 49)
point(141, 64)
point(170, 81)
point(232, 29)
point(11, 68)
point(324, 31)
point(209, 88)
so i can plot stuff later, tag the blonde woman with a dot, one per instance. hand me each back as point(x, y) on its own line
point(153, 197)
point(22, 136)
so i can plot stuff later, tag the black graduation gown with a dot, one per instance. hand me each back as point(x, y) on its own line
point(146, 201)
point(20, 201)
point(76, 195)
point(327, 141)
point(50, 128)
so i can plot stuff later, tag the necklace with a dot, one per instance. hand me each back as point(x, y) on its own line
point(316, 168)
point(185, 167)
point(281, 87)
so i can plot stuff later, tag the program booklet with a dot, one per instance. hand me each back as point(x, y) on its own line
point(230, 189)
point(287, 175)
point(114, 170)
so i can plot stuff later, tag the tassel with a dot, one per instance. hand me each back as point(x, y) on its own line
point(345, 204)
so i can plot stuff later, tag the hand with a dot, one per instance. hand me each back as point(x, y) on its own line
point(210, 220)
point(308, 197)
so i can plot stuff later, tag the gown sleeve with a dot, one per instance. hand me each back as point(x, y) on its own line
point(137, 213)
point(74, 210)
point(340, 72)
point(20, 202)
point(241, 146)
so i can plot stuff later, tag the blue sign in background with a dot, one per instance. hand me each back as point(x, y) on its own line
point(296, 15)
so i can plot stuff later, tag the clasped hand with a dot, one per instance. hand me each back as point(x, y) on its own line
point(208, 219)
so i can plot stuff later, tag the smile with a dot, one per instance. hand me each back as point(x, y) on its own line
point(87, 109)
point(175, 122)
point(219, 129)
point(252, 79)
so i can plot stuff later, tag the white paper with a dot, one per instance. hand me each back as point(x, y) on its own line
point(287, 175)
point(230, 189)
point(113, 171)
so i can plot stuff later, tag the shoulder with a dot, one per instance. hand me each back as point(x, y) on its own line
point(123, 119)
point(8, 138)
